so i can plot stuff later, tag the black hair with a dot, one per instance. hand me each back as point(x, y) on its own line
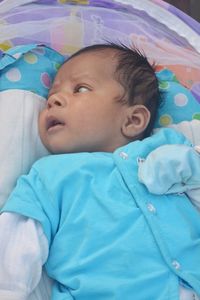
point(136, 75)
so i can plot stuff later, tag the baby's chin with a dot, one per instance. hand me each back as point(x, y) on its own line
point(59, 149)
point(52, 145)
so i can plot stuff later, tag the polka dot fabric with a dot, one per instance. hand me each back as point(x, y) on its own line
point(29, 67)
point(178, 103)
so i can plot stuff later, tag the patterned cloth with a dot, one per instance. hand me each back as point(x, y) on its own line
point(178, 102)
point(29, 67)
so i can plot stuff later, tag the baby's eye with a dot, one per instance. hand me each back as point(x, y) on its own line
point(81, 89)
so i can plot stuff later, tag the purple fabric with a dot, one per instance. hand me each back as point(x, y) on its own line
point(187, 19)
point(180, 14)
point(107, 13)
point(115, 5)
point(98, 3)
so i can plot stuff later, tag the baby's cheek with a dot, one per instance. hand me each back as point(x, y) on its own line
point(41, 122)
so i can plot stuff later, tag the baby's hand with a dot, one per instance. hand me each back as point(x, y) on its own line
point(171, 169)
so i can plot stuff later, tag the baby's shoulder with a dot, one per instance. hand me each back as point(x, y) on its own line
point(69, 163)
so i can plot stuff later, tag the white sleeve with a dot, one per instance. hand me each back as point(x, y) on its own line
point(23, 251)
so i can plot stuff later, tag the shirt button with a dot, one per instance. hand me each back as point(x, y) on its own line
point(123, 155)
point(176, 264)
point(151, 208)
point(140, 160)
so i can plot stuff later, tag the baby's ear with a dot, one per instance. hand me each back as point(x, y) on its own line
point(136, 120)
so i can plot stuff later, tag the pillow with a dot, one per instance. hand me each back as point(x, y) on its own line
point(178, 103)
point(26, 73)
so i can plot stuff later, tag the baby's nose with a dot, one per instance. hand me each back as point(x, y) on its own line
point(55, 101)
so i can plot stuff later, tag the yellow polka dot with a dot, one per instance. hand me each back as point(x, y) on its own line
point(165, 120)
point(30, 58)
point(6, 45)
point(62, 1)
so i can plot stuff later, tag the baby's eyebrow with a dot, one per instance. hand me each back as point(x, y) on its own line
point(79, 74)
point(56, 83)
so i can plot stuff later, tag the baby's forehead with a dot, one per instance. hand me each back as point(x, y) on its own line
point(104, 54)
point(91, 60)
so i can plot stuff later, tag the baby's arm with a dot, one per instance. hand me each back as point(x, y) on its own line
point(172, 169)
point(23, 251)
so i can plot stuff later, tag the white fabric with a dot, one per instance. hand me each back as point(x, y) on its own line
point(21, 269)
point(7, 5)
point(20, 145)
point(190, 129)
point(170, 169)
point(192, 132)
point(186, 294)
point(43, 290)
point(166, 18)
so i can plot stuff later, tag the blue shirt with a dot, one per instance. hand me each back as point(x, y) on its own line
point(109, 238)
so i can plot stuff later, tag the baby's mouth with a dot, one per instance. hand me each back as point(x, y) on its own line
point(53, 123)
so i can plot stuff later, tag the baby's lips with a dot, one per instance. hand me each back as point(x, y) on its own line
point(53, 121)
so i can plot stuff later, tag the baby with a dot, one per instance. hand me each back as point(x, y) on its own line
point(82, 212)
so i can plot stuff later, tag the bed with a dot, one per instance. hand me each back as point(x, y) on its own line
point(168, 36)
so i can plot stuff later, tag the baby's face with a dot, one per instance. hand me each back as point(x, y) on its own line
point(83, 113)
